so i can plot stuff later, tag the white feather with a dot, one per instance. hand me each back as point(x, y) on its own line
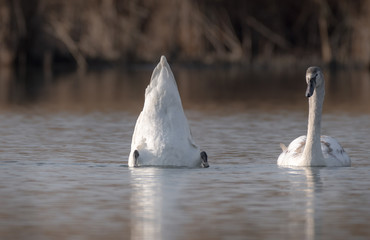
point(333, 152)
point(162, 135)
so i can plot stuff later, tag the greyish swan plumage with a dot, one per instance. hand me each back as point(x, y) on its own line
point(162, 134)
point(314, 149)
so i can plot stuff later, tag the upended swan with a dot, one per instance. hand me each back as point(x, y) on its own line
point(314, 150)
point(162, 135)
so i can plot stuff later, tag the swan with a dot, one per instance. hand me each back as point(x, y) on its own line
point(313, 150)
point(162, 135)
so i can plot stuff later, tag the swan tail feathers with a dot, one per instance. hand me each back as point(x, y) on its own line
point(283, 147)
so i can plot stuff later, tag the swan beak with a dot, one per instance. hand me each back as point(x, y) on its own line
point(310, 87)
point(204, 157)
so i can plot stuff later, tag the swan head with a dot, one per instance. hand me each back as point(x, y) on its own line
point(314, 79)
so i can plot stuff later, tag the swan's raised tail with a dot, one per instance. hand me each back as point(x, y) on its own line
point(162, 134)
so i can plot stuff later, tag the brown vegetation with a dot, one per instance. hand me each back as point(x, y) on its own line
point(43, 32)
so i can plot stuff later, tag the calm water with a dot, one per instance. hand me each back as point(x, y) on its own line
point(65, 140)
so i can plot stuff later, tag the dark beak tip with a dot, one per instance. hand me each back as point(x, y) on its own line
point(309, 91)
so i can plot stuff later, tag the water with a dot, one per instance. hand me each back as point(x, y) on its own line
point(64, 174)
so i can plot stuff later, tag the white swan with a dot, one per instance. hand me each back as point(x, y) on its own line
point(314, 150)
point(162, 135)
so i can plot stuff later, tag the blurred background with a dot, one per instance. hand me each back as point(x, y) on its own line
point(103, 52)
point(43, 33)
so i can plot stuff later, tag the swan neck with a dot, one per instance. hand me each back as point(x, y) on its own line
point(312, 152)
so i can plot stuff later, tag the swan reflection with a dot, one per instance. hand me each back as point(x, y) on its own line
point(146, 207)
point(154, 205)
point(311, 188)
point(313, 217)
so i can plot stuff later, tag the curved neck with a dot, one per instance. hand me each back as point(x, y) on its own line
point(312, 152)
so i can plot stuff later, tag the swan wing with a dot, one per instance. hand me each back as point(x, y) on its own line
point(333, 152)
point(292, 153)
point(297, 145)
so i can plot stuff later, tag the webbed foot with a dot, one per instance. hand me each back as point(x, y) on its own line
point(136, 157)
point(204, 157)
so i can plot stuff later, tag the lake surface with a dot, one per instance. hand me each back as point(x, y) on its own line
point(65, 141)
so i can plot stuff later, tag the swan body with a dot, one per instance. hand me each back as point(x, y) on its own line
point(314, 149)
point(162, 135)
point(333, 153)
